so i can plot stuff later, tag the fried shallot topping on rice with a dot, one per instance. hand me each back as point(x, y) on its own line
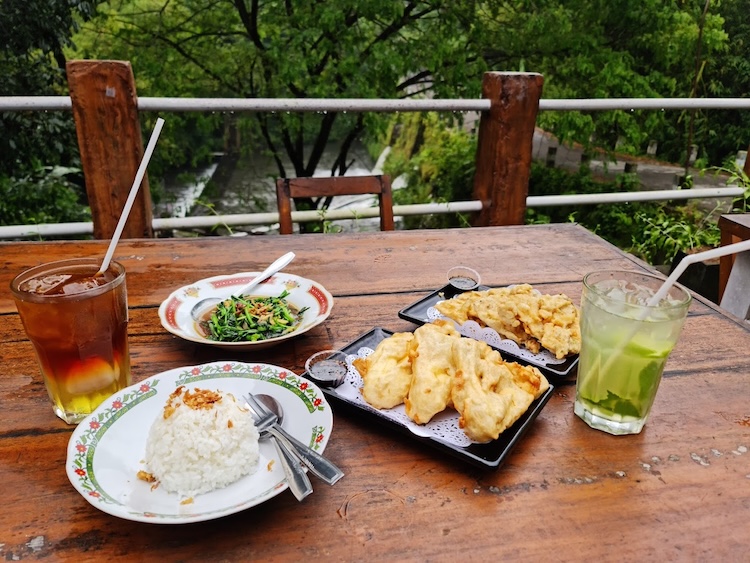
point(197, 400)
point(146, 476)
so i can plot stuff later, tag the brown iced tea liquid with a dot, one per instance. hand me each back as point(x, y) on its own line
point(78, 326)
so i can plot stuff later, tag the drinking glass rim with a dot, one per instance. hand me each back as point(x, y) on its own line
point(61, 264)
point(681, 303)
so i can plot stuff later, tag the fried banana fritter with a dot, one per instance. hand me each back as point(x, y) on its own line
point(436, 368)
point(523, 315)
point(489, 394)
point(387, 371)
point(432, 371)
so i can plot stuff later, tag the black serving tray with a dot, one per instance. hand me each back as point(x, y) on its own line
point(555, 372)
point(490, 454)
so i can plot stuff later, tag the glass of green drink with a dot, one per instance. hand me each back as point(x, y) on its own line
point(625, 344)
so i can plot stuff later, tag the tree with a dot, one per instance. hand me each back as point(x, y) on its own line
point(611, 49)
point(296, 49)
point(389, 48)
point(33, 35)
point(729, 77)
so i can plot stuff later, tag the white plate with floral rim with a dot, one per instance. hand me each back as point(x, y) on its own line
point(175, 310)
point(107, 448)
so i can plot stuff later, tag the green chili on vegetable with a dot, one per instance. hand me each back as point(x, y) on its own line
point(250, 319)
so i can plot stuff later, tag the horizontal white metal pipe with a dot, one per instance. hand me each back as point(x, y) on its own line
point(250, 219)
point(35, 103)
point(310, 104)
point(208, 221)
point(52, 103)
point(40, 103)
point(46, 230)
point(643, 103)
point(437, 208)
point(623, 197)
point(241, 219)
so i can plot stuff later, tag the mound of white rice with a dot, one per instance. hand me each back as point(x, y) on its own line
point(203, 441)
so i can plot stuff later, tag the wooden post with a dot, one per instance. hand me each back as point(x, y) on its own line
point(746, 167)
point(105, 109)
point(505, 145)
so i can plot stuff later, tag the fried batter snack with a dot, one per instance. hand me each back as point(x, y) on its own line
point(523, 315)
point(490, 394)
point(432, 371)
point(387, 371)
point(435, 368)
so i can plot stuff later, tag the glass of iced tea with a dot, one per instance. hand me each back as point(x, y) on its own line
point(78, 324)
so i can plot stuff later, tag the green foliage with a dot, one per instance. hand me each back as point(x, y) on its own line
point(735, 176)
point(27, 26)
point(187, 141)
point(34, 144)
point(31, 140)
point(297, 49)
point(44, 196)
point(442, 170)
point(670, 229)
point(613, 222)
point(388, 49)
point(220, 228)
point(616, 49)
point(33, 34)
point(654, 231)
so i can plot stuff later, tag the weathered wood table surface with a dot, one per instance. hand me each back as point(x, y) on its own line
point(678, 490)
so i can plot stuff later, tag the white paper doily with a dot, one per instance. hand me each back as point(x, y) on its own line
point(442, 427)
point(472, 329)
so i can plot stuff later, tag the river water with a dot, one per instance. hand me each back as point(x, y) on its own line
point(247, 184)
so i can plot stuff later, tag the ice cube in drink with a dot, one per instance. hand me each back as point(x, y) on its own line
point(77, 323)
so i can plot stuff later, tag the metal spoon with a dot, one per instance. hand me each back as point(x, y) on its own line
point(296, 478)
point(316, 463)
point(201, 306)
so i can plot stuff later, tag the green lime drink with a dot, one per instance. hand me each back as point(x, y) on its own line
point(625, 346)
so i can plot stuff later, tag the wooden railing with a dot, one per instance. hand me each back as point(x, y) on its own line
point(105, 107)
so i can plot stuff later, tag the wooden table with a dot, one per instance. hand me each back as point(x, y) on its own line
point(678, 490)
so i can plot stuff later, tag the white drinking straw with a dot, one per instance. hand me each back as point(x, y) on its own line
point(131, 196)
point(691, 259)
point(667, 285)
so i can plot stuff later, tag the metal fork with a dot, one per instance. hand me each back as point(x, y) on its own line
point(296, 477)
point(320, 466)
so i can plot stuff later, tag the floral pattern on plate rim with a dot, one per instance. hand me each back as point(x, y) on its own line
point(83, 461)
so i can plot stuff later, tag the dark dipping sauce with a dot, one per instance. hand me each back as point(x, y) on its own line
point(329, 372)
point(462, 282)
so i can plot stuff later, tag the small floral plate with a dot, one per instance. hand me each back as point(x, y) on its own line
point(107, 448)
point(175, 310)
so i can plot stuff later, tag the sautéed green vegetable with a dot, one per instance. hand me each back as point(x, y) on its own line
point(250, 319)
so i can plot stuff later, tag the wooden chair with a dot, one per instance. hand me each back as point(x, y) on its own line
point(289, 188)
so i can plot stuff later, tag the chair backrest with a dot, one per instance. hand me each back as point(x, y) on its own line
point(736, 297)
point(289, 188)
